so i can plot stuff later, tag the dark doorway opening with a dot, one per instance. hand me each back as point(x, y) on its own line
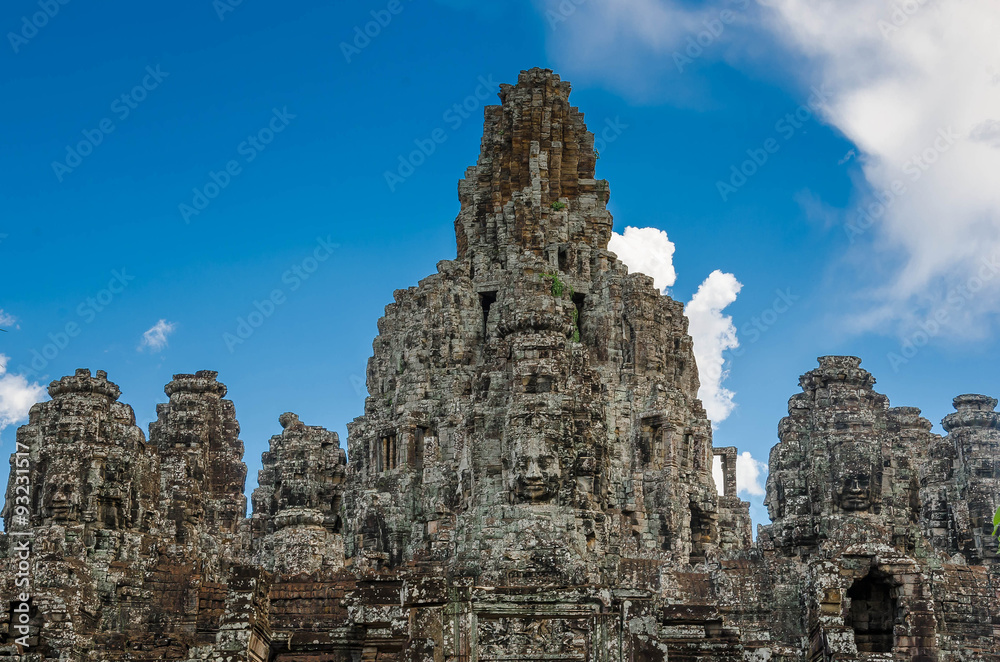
point(872, 614)
point(486, 300)
point(563, 259)
point(416, 458)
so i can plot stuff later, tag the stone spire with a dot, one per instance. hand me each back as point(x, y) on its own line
point(534, 184)
point(92, 500)
point(534, 405)
point(967, 486)
point(296, 525)
point(846, 469)
point(201, 459)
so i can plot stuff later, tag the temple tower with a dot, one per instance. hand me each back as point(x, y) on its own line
point(202, 474)
point(297, 524)
point(88, 483)
point(963, 486)
point(533, 414)
point(846, 469)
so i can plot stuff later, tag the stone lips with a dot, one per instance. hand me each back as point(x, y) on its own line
point(531, 479)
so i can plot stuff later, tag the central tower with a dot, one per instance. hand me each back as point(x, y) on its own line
point(533, 416)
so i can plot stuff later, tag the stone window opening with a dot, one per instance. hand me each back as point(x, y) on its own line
point(563, 259)
point(102, 540)
point(538, 384)
point(702, 534)
point(687, 450)
point(872, 614)
point(337, 525)
point(387, 456)
point(486, 300)
point(650, 443)
point(416, 454)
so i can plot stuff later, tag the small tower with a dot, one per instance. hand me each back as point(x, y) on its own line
point(846, 469)
point(90, 499)
point(202, 470)
point(297, 524)
point(974, 490)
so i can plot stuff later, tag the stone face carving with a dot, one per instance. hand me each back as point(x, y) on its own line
point(856, 478)
point(531, 478)
point(855, 493)
point(537, 471)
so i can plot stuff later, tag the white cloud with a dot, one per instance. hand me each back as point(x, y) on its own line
point(16, 396)
point(6, 319)
point(713, 333)
point(647, 250)
point(750, 473)
point(155, 338)
point(718, 475)
point(914, 84)
point(987, 131)
point(910, 85)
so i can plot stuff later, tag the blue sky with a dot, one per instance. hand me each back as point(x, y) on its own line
point(230, 151)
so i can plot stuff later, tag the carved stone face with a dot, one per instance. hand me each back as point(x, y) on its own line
point(856, 490)
point(60, 506)
point(775, 499)
point(537, 471)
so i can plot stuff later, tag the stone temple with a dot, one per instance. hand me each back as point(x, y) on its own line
point(531, 480)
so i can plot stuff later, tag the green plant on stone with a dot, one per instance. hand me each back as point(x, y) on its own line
point(576, 325)
point(996, 525)
point(557, 285)
point(559, 206)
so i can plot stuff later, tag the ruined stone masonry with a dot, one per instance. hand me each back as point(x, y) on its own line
point(531, 480)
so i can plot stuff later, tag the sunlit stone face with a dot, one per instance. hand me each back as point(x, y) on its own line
point(537, 471)
point(775, 498)
point(855, 491)
point(58, 501)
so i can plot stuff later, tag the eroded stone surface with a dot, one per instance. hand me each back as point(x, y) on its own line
point(297, 525)
point(531, 479)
